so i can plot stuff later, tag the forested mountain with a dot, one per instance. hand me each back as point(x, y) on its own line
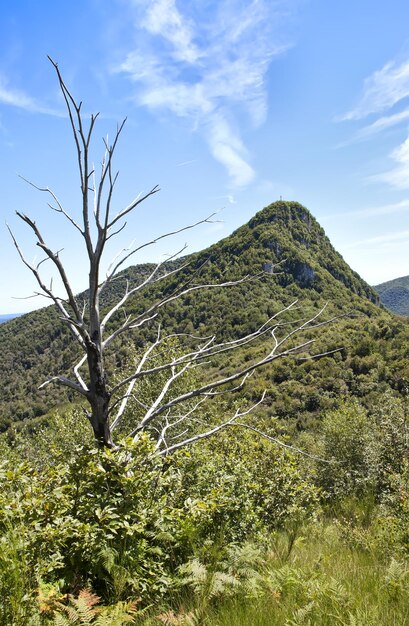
point(394, 294)
point(241, 527)
point(287, 252)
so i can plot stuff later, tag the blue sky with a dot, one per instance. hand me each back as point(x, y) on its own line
point(230, 104)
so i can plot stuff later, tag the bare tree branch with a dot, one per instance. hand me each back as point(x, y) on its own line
point(54, 257)
point(98, 223)
point(115, 268)
point(129, 292)
point(281, 443)
point(47, 292)
point(59, 208)
point(211, 431)
point(213, 349)
point(66, 382)
point(137, 321)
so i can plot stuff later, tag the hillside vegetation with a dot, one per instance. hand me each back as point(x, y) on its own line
point(394, 294)
point(297, 517)
point(283, 238)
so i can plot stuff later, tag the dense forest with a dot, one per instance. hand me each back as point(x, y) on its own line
point(296, 516)
point(394, 294)
point(283, 236)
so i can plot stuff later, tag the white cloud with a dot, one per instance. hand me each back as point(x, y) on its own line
point(382, 90)
point(384, 240)
point(398, 176)
point(206, 61)
point(381, 124)
point(184, 163)
point(228, 149)
point(385, 209)
point(163, 18)
point(230, 198)
point(385, 122)
point(19, 99)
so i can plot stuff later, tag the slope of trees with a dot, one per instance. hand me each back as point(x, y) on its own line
point(298, 516)
point(394, 295)
point(174, 416)
point(37, 346)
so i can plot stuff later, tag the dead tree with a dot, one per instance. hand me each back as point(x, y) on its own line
point(97, 225)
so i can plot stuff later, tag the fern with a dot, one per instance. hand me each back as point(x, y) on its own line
point(62, 620)
point(246, 564)
point(83, 611)
point(117, 615)
point(206, 582)
point(396, 576)
point(120, 578)
point(239, 569)
point(300, 615)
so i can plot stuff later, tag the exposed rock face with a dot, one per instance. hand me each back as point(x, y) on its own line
point(274, 246)
point(269, 268)
point(303, 274)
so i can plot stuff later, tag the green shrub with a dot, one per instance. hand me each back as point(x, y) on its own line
point(104, 518)
point(246, 485)
point(347, 445)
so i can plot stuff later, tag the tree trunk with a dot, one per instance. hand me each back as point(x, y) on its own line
point(98, 397)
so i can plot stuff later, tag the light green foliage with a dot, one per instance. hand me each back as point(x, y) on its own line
point(232, 570)
point(148, 388)
point(44, 442)
point(244, 485)
point(16, 581)
point(391, 439)
point(322, 583)
point(393, 521)
point(397, 578)
point(346, 444)
point(122, 521)
point(366, 450)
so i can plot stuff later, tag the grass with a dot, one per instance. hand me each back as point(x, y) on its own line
point(333, 575)
point(323, 582)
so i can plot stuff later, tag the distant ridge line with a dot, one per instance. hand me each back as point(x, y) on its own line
point(9, 316)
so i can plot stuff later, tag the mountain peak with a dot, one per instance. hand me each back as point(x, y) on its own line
point(284, 211)
point(288, 237)
point(282, 247)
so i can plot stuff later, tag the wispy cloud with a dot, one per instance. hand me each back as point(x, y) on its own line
point(383, 123)
point(385, 88)
point(385, 209)
point(163, 18)
point(230, 198)
point(399, 175)
point(384, 91)
point(184, 163)
point(17, 98)
point(381, 240)
point(207, 62)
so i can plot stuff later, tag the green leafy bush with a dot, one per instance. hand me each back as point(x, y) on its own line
point(103, 518)
point(122, 521)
